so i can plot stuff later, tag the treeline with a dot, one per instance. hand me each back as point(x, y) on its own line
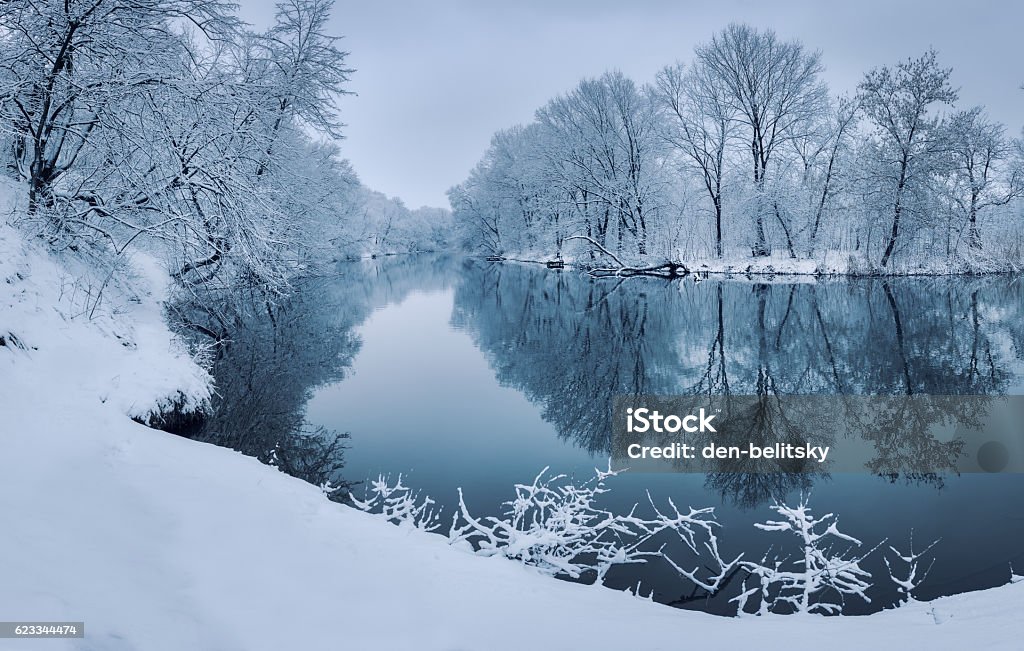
point(743, 152)
point(171, 125)
point(383, 225)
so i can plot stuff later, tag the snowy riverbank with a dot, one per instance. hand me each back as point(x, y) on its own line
point(829, 264)
point(157, 542)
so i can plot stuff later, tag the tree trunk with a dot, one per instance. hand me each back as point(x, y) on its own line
point(760, 248)
point(973, 234)
point(718, 226)
point(894, 233)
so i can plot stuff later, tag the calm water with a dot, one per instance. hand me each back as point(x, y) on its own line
point(461, 373)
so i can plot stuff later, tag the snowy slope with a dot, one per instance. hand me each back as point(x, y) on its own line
point(158, 543)
point(116, 349)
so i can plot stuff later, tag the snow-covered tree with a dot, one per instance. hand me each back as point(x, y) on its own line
point(700, 123)
point(306, 72)
point(901, 102)
point(774, 88)
point(979, 150)
point(71, 70)
point(605, 146)
point(824, 156)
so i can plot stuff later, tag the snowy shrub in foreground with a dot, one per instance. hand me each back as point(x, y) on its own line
point(556, 526)
point(821, 568)
point(399, 505)
point(908, 581)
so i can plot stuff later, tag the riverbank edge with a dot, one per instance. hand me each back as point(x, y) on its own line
point(751, 272)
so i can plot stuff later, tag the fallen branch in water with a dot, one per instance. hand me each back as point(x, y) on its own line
point(667, 269)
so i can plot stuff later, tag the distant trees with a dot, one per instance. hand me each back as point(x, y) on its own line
point(383, 225)
point(823, 151)
point(501, 201)
point(591, 164)
point(611, 161)
point(741, 152)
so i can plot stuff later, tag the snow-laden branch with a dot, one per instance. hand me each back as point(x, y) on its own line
point(399, 505)
point(911, 577)
point(557, 526)
point(668, 268)
point(826, 565)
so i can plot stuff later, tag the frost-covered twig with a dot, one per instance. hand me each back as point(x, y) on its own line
point(399, 505)
point(820, 567)
point(911, 580)
point(1014, 577)
point(741, 599)
point(555, 525)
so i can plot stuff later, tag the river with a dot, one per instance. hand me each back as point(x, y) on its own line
point(463, 373)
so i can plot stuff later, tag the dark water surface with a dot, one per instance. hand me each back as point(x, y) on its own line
point(461, 373)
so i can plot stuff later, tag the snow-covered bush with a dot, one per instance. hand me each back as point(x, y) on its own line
point(399, 505)
point(910, 578)
point(555, 525)
point(821, 570)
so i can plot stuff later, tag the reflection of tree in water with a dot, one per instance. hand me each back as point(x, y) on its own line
point(904, 440)
point(571, 344)
point(762, 419)
point(274, 355)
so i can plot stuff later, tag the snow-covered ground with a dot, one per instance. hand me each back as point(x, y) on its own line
point(157, 542)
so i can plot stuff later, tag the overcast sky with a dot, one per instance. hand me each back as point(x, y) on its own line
point(434, 80)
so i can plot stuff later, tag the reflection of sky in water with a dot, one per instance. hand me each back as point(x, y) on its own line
point(422, 399)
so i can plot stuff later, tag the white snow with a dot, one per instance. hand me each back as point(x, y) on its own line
point(157, 542)
point(121, 351)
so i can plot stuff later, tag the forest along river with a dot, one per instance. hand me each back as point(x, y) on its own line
point(463, 373)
